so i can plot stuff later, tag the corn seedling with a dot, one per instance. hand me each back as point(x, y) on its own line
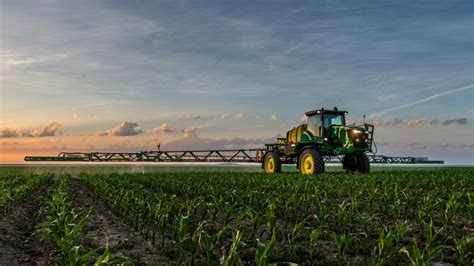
point(263, 252)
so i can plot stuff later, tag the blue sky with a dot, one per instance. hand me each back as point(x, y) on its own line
point(91, 65)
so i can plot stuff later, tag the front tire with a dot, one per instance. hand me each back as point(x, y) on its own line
point(356, 163)
point(310, 162)
point(272, 163)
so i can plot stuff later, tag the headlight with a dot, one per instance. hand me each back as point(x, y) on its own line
point(356, 131)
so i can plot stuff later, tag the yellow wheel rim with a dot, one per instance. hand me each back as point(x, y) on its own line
point(307, 164)
point(270, 165)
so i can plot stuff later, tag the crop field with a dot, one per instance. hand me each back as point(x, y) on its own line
point(235, 216)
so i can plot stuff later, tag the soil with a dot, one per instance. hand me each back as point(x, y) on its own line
point(104, 227)
point(18, 243)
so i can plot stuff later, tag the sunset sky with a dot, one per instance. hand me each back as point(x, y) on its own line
point(126, 75)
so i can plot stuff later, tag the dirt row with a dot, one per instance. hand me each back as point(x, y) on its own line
point(104, 227)
point(19, 245)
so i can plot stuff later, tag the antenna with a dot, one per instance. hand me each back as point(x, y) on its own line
point(158, 146)
point(342, 102)
point(364, 119)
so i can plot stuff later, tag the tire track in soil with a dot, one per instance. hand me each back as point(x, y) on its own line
point(18, 244)
point(104, 226)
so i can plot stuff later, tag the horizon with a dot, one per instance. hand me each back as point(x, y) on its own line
point(123, 76)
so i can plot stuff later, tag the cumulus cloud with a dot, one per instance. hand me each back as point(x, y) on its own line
point(124, 129)
point(447, 122)
point(417, 122)
point(240, 116)
point(48, 131)
point(9, 132)
point(274, 117)
point(468, 146)
point(101, 133)
point(224, 116)
point(163, 128)
point(191, 131)
point(386, 122)
point(457, 121)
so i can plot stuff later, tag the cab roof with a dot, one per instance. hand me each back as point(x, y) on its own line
point(325, 111)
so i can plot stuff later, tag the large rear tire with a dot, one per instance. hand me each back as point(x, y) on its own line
point(310, 162)
point(272, 163)
point(356, 163)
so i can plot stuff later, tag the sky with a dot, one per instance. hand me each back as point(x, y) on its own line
point(125, 75)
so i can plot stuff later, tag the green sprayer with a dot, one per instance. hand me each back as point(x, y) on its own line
point(324, 134)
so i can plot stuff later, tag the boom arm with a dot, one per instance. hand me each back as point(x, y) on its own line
point(240, 155)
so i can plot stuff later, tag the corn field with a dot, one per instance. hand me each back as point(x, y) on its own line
point(409, 217)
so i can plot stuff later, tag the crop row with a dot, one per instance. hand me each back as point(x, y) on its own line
point(384, 218)
point(63, 227)
point(16, 187)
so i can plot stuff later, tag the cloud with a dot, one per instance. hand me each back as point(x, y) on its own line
point(423, 146)
point(447, 122)
point(9, 132)
point(386, 122)
point(240, 116)
point(417, 122)
point(223, 116)
point(163, 128)
point(274, 117)
point(458, 121)
point(101, 134)
point(124, 129)
point(191, 131)
point(75, 116)
point(455, 146)
point(48, 131)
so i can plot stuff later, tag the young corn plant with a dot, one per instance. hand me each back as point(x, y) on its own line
point(263, 252)
point(232, 257)
point(314, 236)
point(323, 213)
point(382, 253)
point(342, 242)
point(294, 234)
point(463, 256)
point(451, 210)
point(270, 217)
point(418, 257)
point(191, 243)
point(209, 243)
point(256, 219)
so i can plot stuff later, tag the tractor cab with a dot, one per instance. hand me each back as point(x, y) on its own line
point(320, 121)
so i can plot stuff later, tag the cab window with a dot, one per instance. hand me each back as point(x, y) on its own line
point(333, 119)
point(314, 123)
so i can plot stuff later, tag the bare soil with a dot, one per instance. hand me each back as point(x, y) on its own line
point(18, 243)
point(104, 227)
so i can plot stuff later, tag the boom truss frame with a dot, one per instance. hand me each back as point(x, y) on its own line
point(237, 155)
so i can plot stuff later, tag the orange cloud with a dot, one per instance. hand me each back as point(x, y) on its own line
point(124, 129)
